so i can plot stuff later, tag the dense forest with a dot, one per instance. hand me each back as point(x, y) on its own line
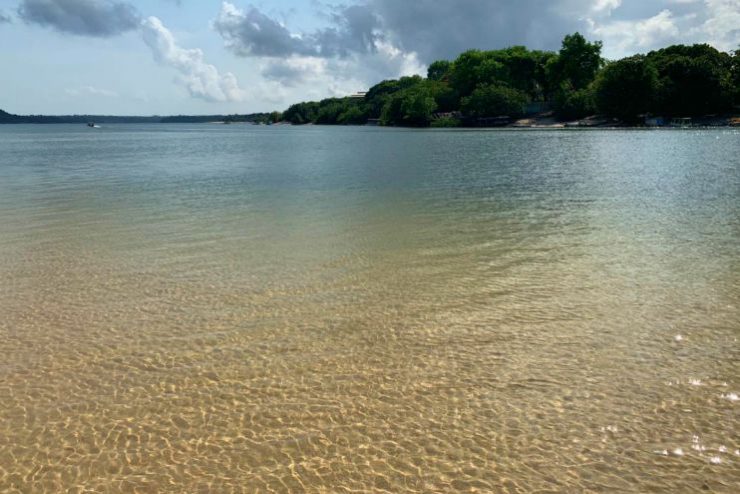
point(677, 81)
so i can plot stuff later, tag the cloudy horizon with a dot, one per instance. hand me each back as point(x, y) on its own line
point(184, 57)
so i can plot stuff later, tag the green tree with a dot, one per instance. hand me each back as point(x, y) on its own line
point(577, 63)
point(693, 80)
point(378, 95)
point(411, 107)
point(354, 115)
point(301, 113)
point(521, 68)
point(465, 73)
point(572, 105)
point(515, 67)
point(445, 96)
point(627, 88)
point(677, 80)
point(494, 100)
point(275, 117)
point(438, 70)
point(417, 107)
point(491, 70)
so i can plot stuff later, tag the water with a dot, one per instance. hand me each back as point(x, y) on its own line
point(224, 308)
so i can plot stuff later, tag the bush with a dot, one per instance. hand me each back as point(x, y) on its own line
point(446, 122)
point(572, 105)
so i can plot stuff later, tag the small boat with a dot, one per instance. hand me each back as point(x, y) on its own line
point(92, 125)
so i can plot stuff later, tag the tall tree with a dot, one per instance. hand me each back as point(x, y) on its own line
point(464, 75)
point(693, 80)
point(412, 106)
point(627, 88)
point(577, 63)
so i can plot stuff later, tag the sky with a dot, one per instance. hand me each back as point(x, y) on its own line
point(164, 57)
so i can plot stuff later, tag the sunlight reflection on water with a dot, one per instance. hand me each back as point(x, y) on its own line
point(287, 309)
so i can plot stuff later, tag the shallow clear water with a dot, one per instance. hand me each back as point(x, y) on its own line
point(227, 308)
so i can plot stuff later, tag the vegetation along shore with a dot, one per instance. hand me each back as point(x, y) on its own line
point(521, 87)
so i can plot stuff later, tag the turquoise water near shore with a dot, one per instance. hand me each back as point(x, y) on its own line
point(205, 307)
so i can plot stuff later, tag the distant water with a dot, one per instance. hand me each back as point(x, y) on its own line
point(205, 308)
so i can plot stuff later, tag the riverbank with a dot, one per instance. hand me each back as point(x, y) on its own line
point(548, 121)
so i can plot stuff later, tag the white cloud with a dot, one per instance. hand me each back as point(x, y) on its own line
point(201, 79)
point(625, 37)
point(605, 6)
point(716, 22)
point(300, 78)
point(294, 70)
point(350, 56)
point(722, 26)
point(91, 91)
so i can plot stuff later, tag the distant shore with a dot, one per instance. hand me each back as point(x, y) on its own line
point(9, 118)
point(543, 121)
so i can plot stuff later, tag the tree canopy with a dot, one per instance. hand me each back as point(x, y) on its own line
point(574, 82)
point(627, 87)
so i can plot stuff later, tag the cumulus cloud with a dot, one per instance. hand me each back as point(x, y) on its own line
point(350, 54)
point(722, 25)
point(341, 76)
point(716, 22)
point(429, 28)
point(4, 18)
point(101, 18)
point(373, 40)
point(605, 5)
point(357, 30)
point(201, 79)
point(441, 30)
point(252, 33)
point(627, 36)
point(294, 70)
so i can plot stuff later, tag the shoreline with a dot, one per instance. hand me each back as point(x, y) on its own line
point(530, 123)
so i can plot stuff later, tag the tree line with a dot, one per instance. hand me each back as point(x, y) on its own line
point(9, 118)
point(677, 81)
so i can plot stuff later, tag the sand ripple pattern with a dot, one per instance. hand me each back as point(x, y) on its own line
point(263, 310)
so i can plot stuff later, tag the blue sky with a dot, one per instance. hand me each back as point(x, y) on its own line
point(209, 56)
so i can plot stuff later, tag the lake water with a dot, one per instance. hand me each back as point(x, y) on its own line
point(205, 308)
